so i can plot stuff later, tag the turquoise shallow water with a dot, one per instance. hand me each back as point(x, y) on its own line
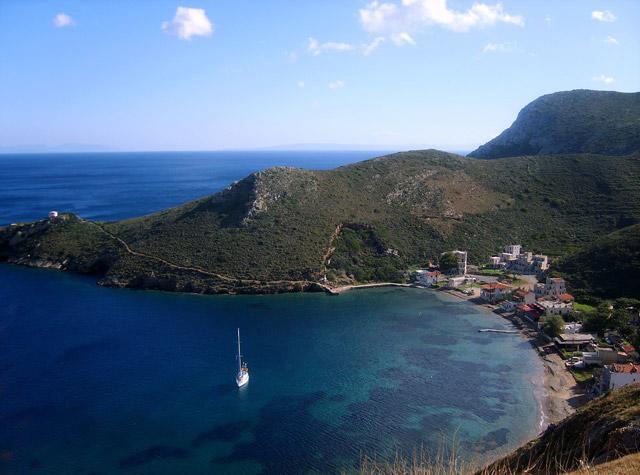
point(96, 380)
point(104, 380)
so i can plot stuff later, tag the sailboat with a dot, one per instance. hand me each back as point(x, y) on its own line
point(242, 377)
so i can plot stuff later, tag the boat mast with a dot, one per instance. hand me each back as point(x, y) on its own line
point(239, 355)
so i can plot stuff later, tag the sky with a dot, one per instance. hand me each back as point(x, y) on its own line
point(213, 75)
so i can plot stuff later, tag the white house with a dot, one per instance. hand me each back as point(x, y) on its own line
point(462, 262)
point(540, 263)
point(455, 282)
point(495, 291)
point(427, 277)
point(602, 356)
point(53, 214)
point(555, 286)
point(556, 307)
point(619, 375)
point(494, 262)
point(513, 249)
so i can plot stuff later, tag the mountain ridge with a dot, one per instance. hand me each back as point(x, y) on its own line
point(577, 121)
point(287, 229)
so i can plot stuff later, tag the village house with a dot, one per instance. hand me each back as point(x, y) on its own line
point(555, 286)
point(428, 277)
point(540, 263)
point(603, 356)
point(455, 282)
point(531, 312)
point(560, 305)
point(462, 261)
point(513, 249)
point(515, 260)
point(495, 292)
point(494, 262)
point(573, 341)
point(619, 375)
point(520, 296)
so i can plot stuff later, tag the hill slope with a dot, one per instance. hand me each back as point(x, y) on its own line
point(579, 121)
point(603, 430)
point(609, 267)
point(285, 229)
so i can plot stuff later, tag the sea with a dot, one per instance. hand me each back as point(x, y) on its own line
point(98, 380)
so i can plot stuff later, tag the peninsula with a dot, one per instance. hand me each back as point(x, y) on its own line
point(289, 229)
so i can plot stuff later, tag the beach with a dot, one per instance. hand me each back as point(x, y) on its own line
point(557, 391)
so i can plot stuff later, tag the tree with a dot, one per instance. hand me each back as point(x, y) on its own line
point(553, 325)
point(448, 262)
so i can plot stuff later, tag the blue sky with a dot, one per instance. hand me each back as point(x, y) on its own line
point(210, 75)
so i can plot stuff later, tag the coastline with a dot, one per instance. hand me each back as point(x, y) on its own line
point(556, 391)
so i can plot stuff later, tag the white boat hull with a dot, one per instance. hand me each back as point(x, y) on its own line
point(242, 378)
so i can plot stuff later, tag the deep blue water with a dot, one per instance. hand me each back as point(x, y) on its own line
point(96, 380)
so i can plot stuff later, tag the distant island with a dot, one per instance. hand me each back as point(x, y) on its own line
point(288, 229)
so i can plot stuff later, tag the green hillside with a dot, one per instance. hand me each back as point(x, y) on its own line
point(580, 121)
point(608, 268)
point(285, 229)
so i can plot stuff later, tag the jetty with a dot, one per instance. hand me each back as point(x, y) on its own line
point(495, 330)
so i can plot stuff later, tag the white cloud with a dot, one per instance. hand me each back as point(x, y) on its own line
point(291, 56)
point(188, 22)
point(301, 84)
point(402, 38)
point(610, 40)
point(497, 48)
point(336, 84)
point(315, 47)
point(62, 19)
point(369, 48)
point(604, 79)
point(605, 16)
point(410, 15)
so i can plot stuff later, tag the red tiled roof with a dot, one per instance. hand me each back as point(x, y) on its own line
point(433, 273)
point(629, 348)
point(625, 368)
point(496, 285)
point(565, 298)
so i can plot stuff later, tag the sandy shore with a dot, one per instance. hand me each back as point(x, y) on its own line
point(558, 393)
point(562, 394)
point(345, 288)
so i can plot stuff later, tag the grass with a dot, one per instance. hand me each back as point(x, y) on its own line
point(490, 272)
point(582, 375)
point(583, 307)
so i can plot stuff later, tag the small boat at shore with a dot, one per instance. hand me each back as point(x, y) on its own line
point(242, 377)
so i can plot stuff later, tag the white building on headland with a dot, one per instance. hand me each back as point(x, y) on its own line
point(53, 214)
